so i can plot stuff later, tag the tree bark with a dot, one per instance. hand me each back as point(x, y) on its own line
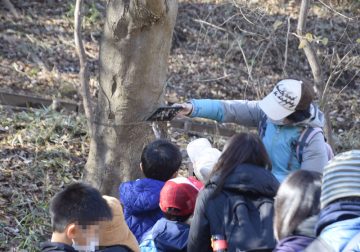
point(134, 54)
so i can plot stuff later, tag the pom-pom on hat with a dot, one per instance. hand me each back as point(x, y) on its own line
point(179, 193)
point(341, 178)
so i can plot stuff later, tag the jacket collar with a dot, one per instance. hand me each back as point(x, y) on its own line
point(336, 212)
point(249, 178)
point(56, 247)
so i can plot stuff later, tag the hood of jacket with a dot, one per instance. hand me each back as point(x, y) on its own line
point(56, 247)
point(295, 243)
point(316, 119)
point(141, 195)
point(339, 223)
point(249, 178)
point(307, 227)
point(169, 235)
point(340, 234)
point(337, 212)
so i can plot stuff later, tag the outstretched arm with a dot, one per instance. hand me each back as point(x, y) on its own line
point(243, 112)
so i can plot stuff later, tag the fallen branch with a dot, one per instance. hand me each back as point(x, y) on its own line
point(11, 8)
point(84, 71)
point(332, 9)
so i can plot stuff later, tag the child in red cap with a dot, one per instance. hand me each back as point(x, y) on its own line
point(177, 202)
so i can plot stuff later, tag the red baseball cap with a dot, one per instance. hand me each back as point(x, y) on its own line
point(180, 193)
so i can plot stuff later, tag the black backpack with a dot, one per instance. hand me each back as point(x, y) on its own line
point(246, 222)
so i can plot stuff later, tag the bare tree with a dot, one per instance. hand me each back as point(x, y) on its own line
point(134, 54)
point(314, 65)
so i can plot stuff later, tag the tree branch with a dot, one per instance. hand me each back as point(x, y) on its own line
point(314, 65)
point(84, 71)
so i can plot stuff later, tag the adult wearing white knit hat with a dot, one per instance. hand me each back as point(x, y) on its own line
point(338, 228)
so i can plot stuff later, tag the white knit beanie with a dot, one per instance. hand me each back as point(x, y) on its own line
point(341, 177)
point(203, 157)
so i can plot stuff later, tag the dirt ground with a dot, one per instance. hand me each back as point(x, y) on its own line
point(221, 49)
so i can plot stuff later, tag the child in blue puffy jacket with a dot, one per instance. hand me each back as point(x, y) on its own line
point(160, 161)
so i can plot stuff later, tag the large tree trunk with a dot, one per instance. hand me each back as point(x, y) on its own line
point(133, 64)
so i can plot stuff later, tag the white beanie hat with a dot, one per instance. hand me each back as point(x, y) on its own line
point(203, 157)
point(341, 177)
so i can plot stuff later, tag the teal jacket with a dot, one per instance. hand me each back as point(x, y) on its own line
point(278, 139)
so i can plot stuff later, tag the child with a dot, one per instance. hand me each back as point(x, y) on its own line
point(203, 158)
point(177, 201)
point(75, 216)
point(338, 226)
point(160, 161)
point(297, 205)
point(115, 235)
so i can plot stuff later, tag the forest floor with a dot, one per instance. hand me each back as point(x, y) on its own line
point(221, 49)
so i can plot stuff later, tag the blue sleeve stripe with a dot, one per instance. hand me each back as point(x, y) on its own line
point(207, 108)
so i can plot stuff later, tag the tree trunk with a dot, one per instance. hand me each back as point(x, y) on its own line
point(134, 54)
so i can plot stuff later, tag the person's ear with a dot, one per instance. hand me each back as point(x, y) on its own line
point(141, 167)
point(71, 231)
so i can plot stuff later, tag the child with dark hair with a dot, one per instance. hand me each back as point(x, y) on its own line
point(236, 205)
point(297, 205)
point(160, 161)
point(76, 213)
point(177, 202)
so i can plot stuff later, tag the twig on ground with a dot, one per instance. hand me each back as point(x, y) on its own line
point(332, 9)
point(210, 24)
point(216, 79)
point(11, 8)
point(237, 6)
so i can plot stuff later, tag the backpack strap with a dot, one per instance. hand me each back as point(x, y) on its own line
point(305, 137)
point(262, 126)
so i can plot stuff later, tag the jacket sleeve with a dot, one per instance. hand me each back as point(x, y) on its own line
point(243, 112)
point(199, 236)
point(315, 154)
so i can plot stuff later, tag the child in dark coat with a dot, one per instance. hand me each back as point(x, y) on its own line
point(76, 213)
point(177, 201)
point(160, 161)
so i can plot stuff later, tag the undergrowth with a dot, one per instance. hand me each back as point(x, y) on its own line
point(41, 151)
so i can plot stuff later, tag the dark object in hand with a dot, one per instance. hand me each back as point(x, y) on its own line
point(164, 113)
